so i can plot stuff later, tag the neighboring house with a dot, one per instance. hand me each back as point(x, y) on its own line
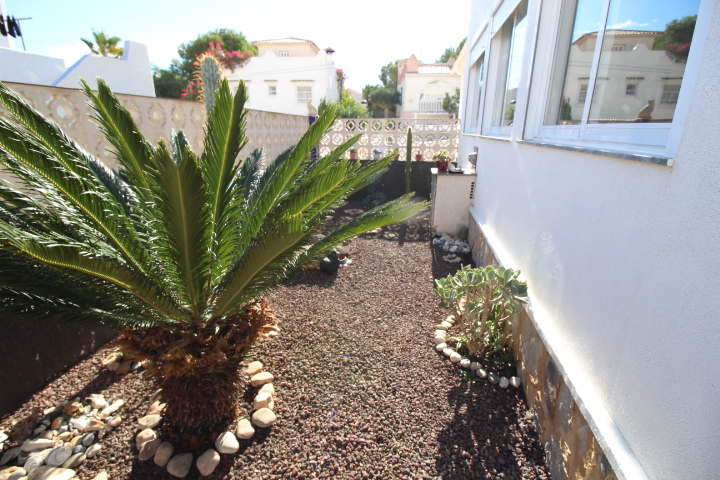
point(423, 87)
point(598, 177)
point(286, 74)
point(355, 95)
point(130, 74)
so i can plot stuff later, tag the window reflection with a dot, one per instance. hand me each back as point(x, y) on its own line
point(645, 46)
point(512, 46)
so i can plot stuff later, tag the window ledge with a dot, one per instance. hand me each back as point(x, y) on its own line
point(657, 160)
point(489, 137)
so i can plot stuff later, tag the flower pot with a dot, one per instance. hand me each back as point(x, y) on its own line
point(376, 155)
point(442, 165)
point(418, 157)
point(353, 155)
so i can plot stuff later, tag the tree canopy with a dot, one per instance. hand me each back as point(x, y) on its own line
point(451, 52)
point(231, 40)
point(347, 107)
point(104, 45)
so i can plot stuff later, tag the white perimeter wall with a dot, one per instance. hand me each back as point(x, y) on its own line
point(623, 259)
point(286, 73)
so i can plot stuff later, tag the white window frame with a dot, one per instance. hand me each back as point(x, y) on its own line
point(272, 90)
point(284, 54)
point(475, 86)
point(304, 88)
point(631, 89)
point(660, 139)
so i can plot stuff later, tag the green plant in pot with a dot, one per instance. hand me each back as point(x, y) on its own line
point(442, 160)
point(484, 299)
point(176, 249)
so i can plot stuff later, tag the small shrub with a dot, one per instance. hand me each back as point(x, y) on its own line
point(374, 199)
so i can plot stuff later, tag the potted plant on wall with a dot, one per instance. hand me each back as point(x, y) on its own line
point(418, 157)
point(376, 154)
point(442, 160)
point(353, 154)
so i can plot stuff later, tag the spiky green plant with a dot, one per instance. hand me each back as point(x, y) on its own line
point(175, 248)
point(211, 75)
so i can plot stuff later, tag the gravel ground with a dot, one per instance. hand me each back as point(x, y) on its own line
point(361, 391)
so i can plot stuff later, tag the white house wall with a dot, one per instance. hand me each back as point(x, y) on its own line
point(286, 73)
point(131, 75)
point(622, 261)
point(413, 85)
point(23, 67)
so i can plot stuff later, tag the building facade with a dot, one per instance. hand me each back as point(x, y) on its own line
point(423, 87)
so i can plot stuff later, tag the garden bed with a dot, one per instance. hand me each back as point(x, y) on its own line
point(361, 391)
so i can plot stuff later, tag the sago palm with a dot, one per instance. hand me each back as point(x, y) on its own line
point(175, 249)
point(104, 45)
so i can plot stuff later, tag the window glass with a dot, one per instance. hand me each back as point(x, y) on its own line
point(272, 89)
point(304, 94)
point(657, 35)
point(478, 78)
point(512, 46)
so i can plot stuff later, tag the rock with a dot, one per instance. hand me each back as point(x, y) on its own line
point(455, 357)
point(75, 460)
point(441, 327)
point(446, 324)
point(124, 367)
point(163, 454)
point(112, 357)
point(101, 476)
point(156, 395)
point(262, 400)
point(474, 366)
point(79, 449)
point(439, 340)
point(72, 408)
point(448, 352)
point(268, 387)
point(515, 382)
point(504, 382)
point(65, 436)
point(88, 439)
point(261, 379)
point(39, 444)
point(94, 425)
point(149, 421)
point(10, 455)
point(156, 408)
point(481, 373)
point(450, 319)
point(36, 459)
point(78, 423)
point(272, 334)
point(264, 418)
point(113, 366)
point(51, 473)
point(58, 456)
point(39, 429)
point(76, 441)
point(112, 408)
point(207, 462)
point(114, 421)
point(244, 429)
point(98, 401)
point(92, 450)
point(440, 347)
point(21, 430)
point(493, 378)
point(227, 443)
point(179, 465)
point(13, 473)
point(56, 423)
point(145, 436)
point(465, 363)
point(148, 449)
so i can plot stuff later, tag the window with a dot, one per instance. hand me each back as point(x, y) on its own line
point(272, 90)
point(304, 94)
point(509, 43)
point(476, 83)
point(431, 98)
point(284, 54)
point(637, 40)
point(670, 94)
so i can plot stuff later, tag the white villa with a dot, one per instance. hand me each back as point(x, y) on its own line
point(286, 74)
point(597, 176)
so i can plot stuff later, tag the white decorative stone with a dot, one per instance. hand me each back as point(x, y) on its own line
point(264, 418)
point(440, 339)
point(14, 475)
point(112, 408)
point(493, 378)
point(504, 382)
point(39, 444)
point(92, 450)
point(114, 421)
point(474, 366)
point(51, 473)
point(88, 439)
point(156, 408)
point(75, 460)
point(515, 382)
point(244, 429)
point(455, 357)
point(207, 462)
point(262, 400)
point(36, 459)
point(261, 379)
point(179, 465)
point(58, 456)
point(268, 387)
point(254, 368)
point(227, 443)
point(97, 401)
point(163, 454)
point(11, 454)
point(450, 319)
point(101, 476)
point(441, 327)
point(465, 363)
point(148, 449)
point(149, 421)
point(144, 436)
point(448, 352)
point(446, 324)
point(440, 347)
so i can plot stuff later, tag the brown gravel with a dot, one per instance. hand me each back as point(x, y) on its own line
point(361, 391)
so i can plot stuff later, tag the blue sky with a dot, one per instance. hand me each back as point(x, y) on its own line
point(365, 35)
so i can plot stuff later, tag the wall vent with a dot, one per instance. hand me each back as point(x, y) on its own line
point(472, 190)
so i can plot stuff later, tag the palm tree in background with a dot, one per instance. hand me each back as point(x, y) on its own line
point(175, 250)
point(104, 45)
